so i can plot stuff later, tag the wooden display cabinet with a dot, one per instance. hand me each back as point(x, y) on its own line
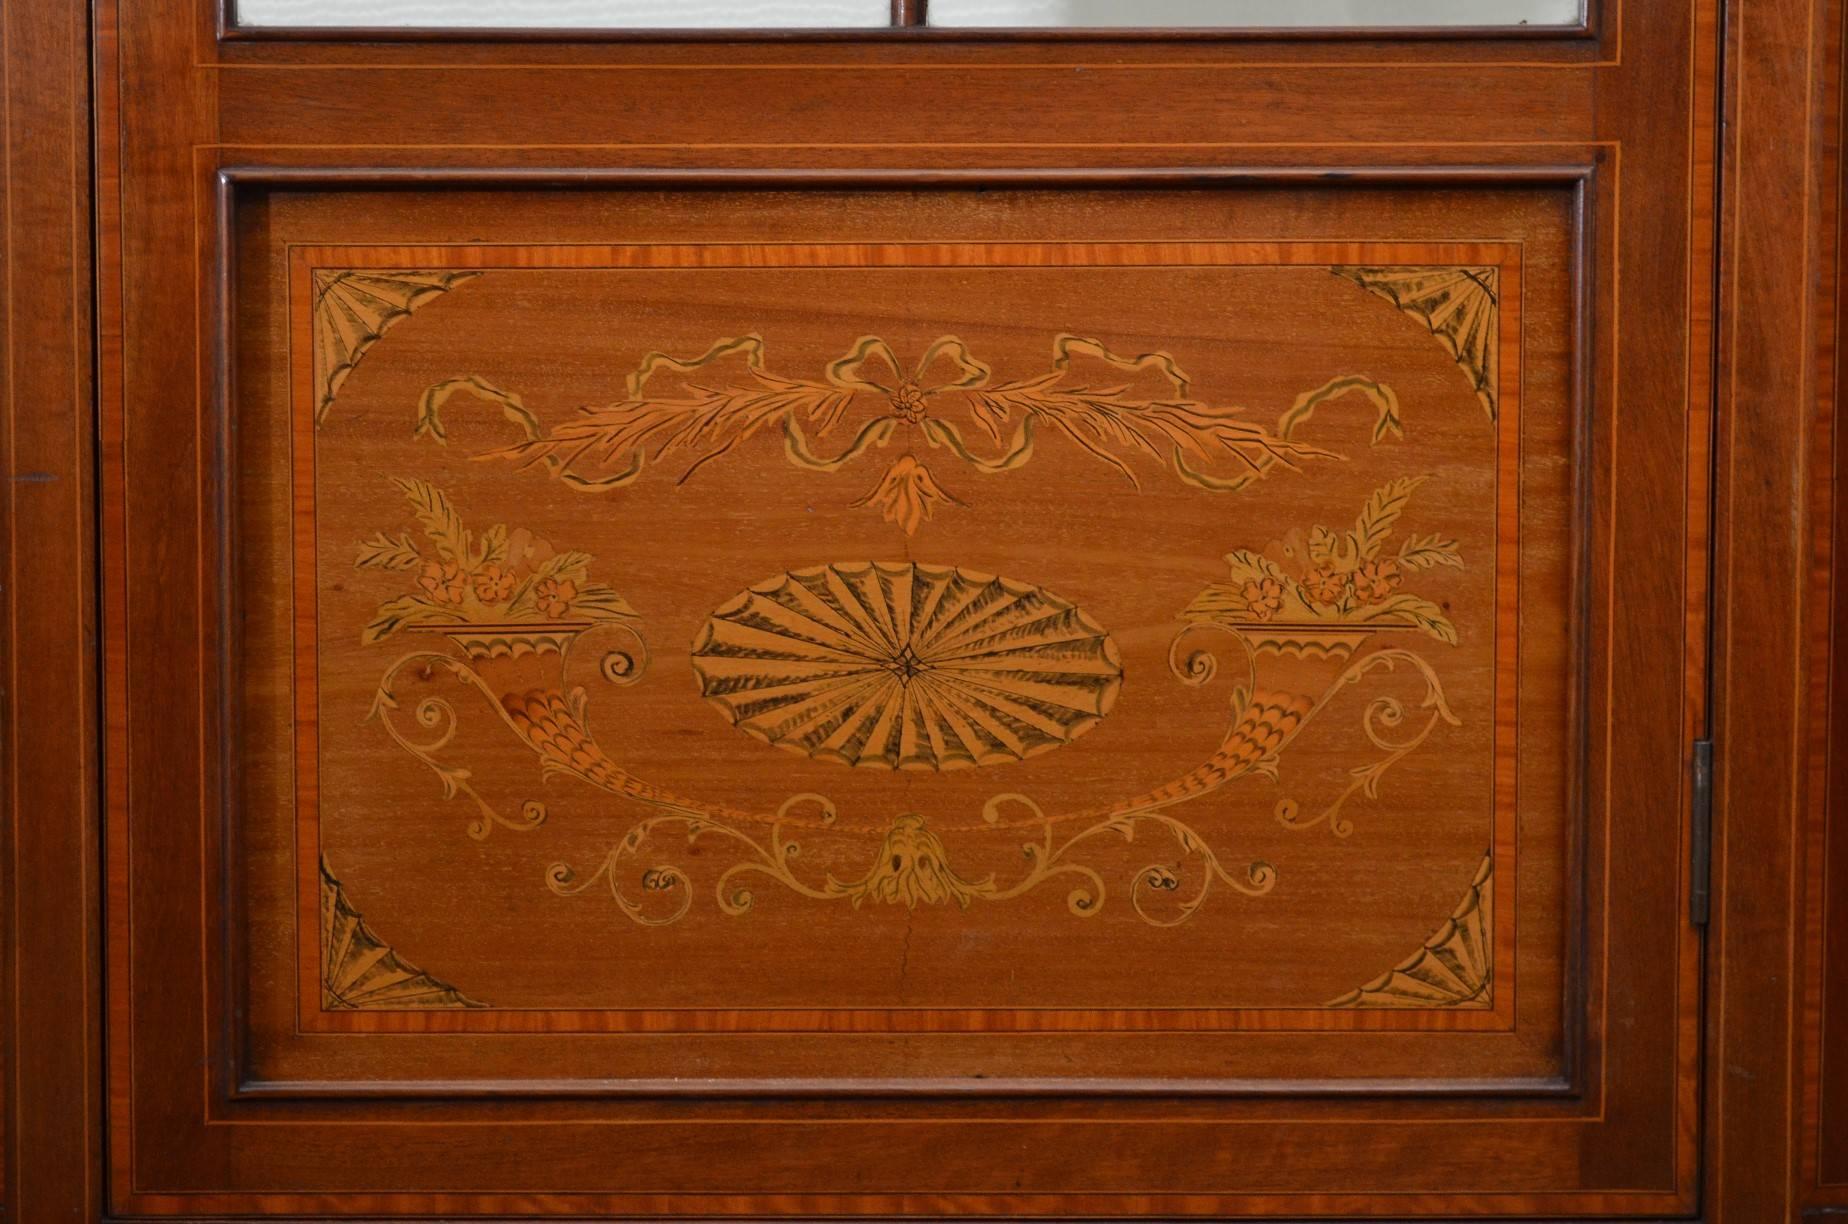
point(1055, 625)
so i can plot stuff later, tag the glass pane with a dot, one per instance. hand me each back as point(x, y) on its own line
point(568, 14)
point(1256, 14)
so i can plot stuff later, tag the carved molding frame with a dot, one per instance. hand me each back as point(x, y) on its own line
point(1583, 179)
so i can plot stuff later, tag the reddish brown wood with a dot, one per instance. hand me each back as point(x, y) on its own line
point(1777, 403)
point(1822, 1134)
point(323, 218)
point(1620, 1141)
point(50, 952)
point(1775, 1096)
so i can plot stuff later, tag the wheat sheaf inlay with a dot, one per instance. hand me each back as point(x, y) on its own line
point(906, 666)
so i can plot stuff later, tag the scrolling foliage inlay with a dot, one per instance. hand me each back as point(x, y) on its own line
point(896, 664)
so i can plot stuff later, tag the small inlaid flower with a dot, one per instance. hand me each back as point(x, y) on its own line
point(1264, 597)
point(493, 584)
point(1325, 586)
point(553, 596)
point(908, 401)
point(1375, 580)
point(872, 366)
point(443, 581)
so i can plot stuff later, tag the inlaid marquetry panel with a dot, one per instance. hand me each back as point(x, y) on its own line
point(1038, 627)
point(1076, 632)
point(965, 637)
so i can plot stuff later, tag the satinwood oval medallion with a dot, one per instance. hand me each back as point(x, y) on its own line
point(906, 666)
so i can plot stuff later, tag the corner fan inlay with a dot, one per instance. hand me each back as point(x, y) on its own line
point(1458, 305)
point(906, 666)
point(360, 970)
point(1455, 966)
point(353, 308)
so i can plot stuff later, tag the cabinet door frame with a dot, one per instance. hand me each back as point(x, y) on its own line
point(1776, 404)
point(200, 120)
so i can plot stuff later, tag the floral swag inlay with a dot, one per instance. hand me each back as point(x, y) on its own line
point(1119, 411)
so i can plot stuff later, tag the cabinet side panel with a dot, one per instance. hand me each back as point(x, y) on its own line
point(48, 953)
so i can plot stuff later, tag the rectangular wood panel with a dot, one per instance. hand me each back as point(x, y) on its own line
point(1190, 544)
point(532, 491)
point(998, 670)
point(908, 669)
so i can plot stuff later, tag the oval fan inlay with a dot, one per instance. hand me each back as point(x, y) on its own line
point(905, 666)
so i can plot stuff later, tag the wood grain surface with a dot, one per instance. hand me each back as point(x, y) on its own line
point(51, 1097)
point(1151, 765)
point(224, 1106)
point(1768, 1158)
point(1823, 1075)
point(248, 1071)
point(1824, 1071)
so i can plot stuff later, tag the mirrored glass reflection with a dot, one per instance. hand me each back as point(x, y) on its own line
point(1251, 14)
point(567, 14)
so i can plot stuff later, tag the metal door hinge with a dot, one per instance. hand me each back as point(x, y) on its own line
point(1700, 833)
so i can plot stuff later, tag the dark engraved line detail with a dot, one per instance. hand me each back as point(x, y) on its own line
point(360, 971)
point(353, 308)
point(1458, 305)
point(906, 666)
point(1455, 968)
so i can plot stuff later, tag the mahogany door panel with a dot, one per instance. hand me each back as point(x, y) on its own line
point(1069, 644)
point(995, 666)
